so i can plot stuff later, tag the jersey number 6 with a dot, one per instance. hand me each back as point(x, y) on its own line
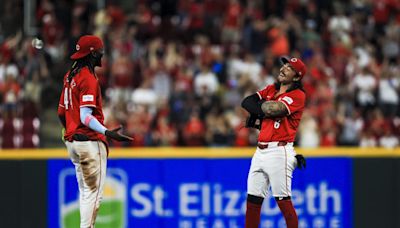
point(277, 124)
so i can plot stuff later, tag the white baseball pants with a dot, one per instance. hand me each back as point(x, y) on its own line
point(272, 167)
point(90, 160)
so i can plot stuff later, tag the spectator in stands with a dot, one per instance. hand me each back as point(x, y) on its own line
point(194, 131)
point(162, 82)
point(232, 22)
point(218, 133)
point(145, 94)
point(308, 131)
point(138, 125)
point(164, 134)
point(10, 93)
point(365, 85)
point(368, 139)
point(121, 77)
point(389, 87)
point(351, 127)
point(388, 139)
point(205, 82)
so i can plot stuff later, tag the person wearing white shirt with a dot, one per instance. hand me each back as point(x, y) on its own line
point(388, 140)
point(365, 85)
point(387, 94)
point(206, 82)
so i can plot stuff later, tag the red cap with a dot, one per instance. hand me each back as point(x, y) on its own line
point(297, 64)
point(87, 44)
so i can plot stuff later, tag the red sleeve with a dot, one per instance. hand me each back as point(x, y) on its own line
point(262, 94)
point(88, 90)
point(294, 100)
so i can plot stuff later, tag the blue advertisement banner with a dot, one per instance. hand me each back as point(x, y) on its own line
point(199, 193)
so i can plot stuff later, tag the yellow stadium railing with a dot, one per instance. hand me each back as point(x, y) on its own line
point(198, 152)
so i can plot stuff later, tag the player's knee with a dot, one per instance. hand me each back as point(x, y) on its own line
point(255, 199)
point(282, 198)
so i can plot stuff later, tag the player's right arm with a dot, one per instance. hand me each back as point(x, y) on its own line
point(256, 105)
point(274, 109)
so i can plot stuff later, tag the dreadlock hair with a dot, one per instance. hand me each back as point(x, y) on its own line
point(79, 64)
point(295, 85)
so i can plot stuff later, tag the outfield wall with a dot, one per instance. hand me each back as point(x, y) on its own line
point(200, 187)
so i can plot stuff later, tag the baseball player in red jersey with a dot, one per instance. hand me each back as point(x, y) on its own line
point(80, 112)
point(276, 111)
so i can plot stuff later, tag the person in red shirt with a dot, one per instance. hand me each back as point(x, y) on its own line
point(276, 111)
point(80, 112)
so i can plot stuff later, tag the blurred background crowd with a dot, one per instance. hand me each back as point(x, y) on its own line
point(176, 71)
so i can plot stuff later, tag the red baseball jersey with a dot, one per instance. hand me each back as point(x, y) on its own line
point(284, 128)
point(82, 91)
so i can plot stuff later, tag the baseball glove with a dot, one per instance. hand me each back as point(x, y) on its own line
point(251, 121)
point(301, 161)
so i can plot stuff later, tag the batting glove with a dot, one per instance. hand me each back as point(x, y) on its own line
point(301, 161)
point(114, 134)
point(62, 134)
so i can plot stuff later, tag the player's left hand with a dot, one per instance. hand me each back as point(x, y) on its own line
point(301, 161)
point(114, 134)
point(251, 122)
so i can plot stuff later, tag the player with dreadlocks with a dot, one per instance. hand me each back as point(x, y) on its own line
point(80, 112)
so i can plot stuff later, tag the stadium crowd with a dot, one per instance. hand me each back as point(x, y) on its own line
point(175, 71)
